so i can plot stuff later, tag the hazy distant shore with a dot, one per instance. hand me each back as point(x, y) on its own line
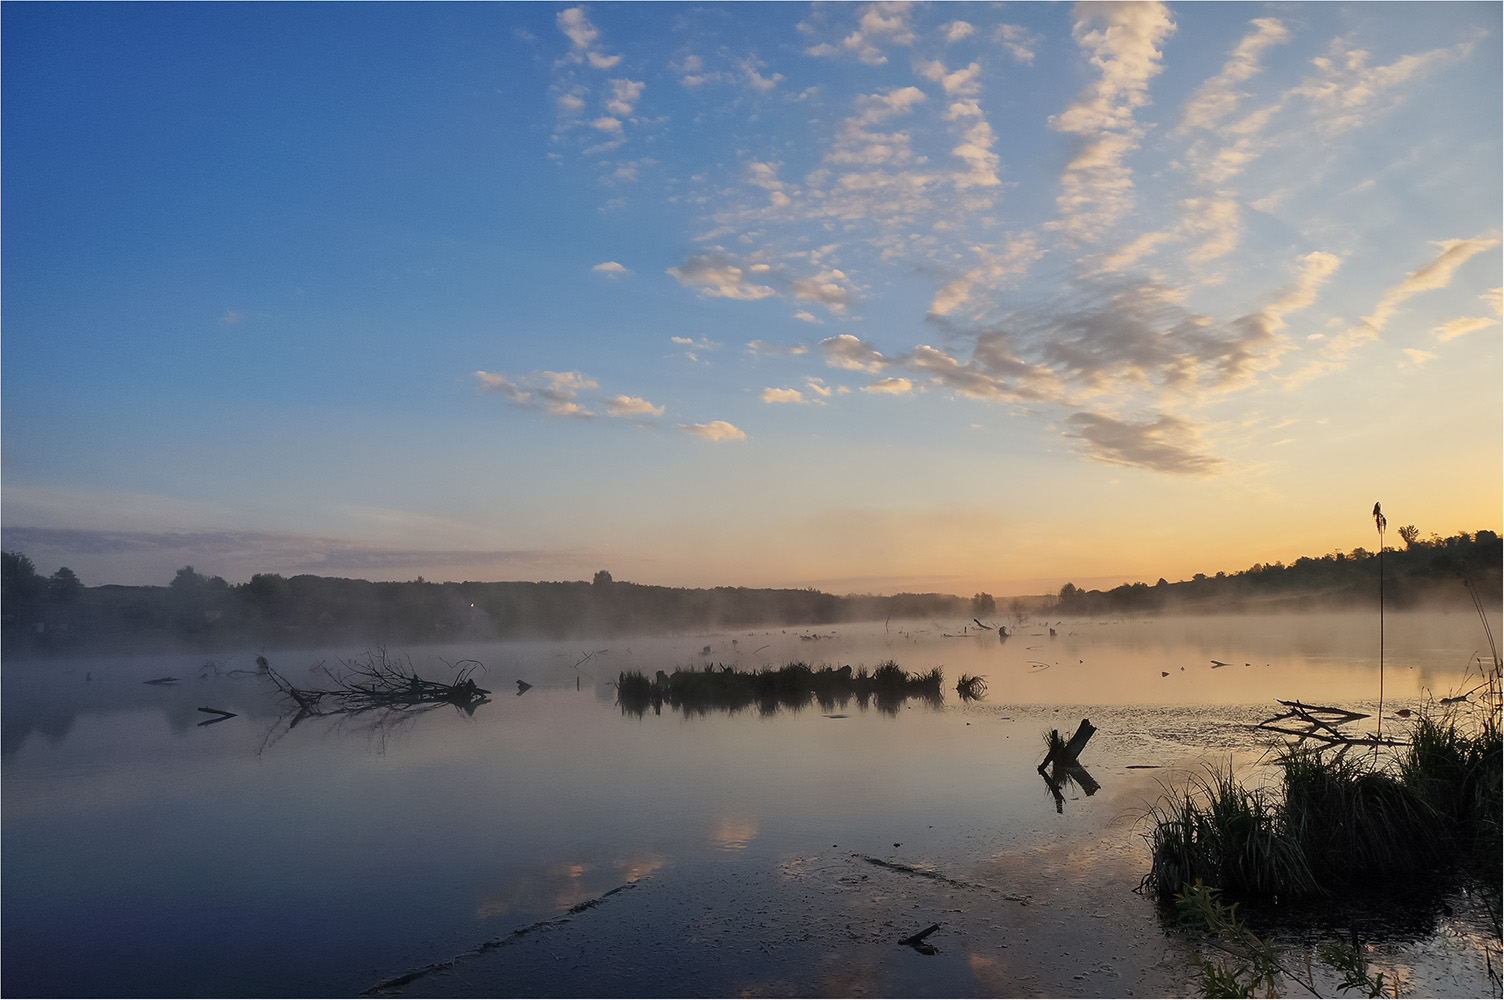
point(57, 614)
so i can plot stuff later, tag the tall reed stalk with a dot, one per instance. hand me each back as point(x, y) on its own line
point(1380, 523)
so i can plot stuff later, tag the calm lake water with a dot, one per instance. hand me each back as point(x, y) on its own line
point(551, 843)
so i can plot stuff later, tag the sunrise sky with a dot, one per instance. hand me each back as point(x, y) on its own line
point(865, 298)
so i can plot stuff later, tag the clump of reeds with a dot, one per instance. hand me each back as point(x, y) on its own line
point(1218, 832)
point(1459, 776)
point(1352, 819)
point(971, 688)
point(1336, 821)
point(790, 687)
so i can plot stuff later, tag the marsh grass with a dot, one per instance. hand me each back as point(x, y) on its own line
point(791, 687)
point(1459, 777)
point(1353, 820)
point(1334, 822)
point(1217, 832)
point(971, 687)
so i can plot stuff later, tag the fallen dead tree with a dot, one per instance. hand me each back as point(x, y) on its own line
point(1321, 723)
point(381, 683)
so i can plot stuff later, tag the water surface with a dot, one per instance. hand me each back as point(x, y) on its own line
point(552, 843)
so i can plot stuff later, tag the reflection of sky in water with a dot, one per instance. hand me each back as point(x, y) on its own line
point(244, 857)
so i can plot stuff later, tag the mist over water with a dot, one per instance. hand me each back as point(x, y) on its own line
point(594, 851)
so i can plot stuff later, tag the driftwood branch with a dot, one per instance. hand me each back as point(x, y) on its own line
point(221, 713)
point(384, 684)
point(1321, 722)
point(916, 941)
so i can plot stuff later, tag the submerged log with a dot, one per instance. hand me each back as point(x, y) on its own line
point(223, 715)
point(384, 684)
point(916, 941)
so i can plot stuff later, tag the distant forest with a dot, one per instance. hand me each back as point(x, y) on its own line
point(57, 613)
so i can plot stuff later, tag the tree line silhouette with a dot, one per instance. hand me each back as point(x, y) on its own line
point(1434, 570)
point(196, 611)
point(57, 613)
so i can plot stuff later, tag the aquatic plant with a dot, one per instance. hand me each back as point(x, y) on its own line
point(790, 687)
point(971, 688)
point(1459, 775)
point(1254, 965)
point(1351, 819)
point(1335, 820)
point(1218, 832)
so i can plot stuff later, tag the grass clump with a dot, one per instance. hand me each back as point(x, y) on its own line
point(1459, 777)
point(1334, 822)
point(1350, 819)
point(1219, 833)
point(791, 687)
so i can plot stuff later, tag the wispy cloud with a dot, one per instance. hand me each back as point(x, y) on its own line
point(771, 395)
point(717, 276)
point(1462, 326)
point(1433, 275)
point(696, 346)
point(848, 351)
point(554, 393)
point(892, 386)
point(1122, 41)
point(1165, 444)
point(631, 406)
point(611, 268)
point(716, 430)
point(583, 36)
point(763, 348)
point(1018, 41)
point(1217, 99)
point(1345, 91)
point(879, 25)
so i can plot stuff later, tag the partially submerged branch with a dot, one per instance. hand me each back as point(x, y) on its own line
point(383, 683)
point(1319, 722)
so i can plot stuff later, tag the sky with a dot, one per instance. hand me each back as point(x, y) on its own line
point(861, 297)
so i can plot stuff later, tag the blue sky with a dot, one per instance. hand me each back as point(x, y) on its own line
point(865, 297)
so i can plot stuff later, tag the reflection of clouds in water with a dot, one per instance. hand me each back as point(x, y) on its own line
point(991, 975)
point(562, 885)
point(733, 833)
point(632, 871)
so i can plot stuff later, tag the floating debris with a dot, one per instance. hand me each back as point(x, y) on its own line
point(161, 680)
point(916, 941)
